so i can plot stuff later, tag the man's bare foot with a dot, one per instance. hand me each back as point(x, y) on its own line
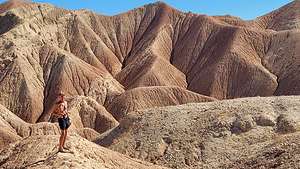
point(61, 150)
point(66, 148)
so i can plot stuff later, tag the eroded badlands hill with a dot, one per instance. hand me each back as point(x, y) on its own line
point(135, 62)
point(45, 49)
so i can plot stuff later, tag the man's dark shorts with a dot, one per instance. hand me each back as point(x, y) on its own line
point(63, 123)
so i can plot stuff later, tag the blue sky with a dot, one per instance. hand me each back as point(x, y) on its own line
point(246, 9)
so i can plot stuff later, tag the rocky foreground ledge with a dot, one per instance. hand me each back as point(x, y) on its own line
point(41, 152)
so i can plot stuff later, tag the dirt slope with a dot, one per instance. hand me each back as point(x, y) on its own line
point(147, 97)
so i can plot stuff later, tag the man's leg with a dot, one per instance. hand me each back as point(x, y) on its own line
point(61, 140)
point(65, 137)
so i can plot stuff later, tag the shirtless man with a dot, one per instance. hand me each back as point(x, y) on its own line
point(60, 111)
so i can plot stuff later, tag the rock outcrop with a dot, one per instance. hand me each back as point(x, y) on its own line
point(89, 120)
point(240, 133)
point(13, 128)
point(88, 113)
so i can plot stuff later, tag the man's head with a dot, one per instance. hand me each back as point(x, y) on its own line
point(61, 96)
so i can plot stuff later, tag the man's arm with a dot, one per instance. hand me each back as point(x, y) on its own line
point(66, 106)
point(51, 112)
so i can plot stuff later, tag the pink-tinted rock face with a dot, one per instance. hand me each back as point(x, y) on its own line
point(10, 4)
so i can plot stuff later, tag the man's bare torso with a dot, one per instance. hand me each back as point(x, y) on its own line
point(61, 109)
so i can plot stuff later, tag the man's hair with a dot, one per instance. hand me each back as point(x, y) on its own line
point(59, 102)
